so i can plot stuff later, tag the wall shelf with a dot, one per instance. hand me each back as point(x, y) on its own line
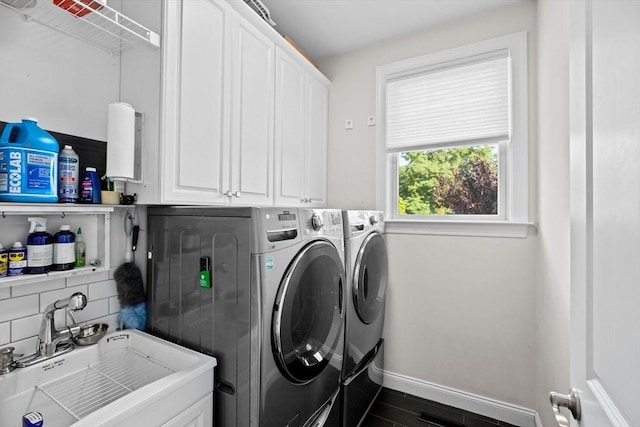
point(7, 282)
point(7, 208)
point(91, 21)
point(95, 221)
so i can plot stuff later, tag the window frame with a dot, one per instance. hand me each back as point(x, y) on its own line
point(513, 190)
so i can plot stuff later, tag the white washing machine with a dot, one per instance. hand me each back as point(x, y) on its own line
point(366, 269)
point(302, 281)
point(262, 290)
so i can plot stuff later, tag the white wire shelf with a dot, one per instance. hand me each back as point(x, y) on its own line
point(119, 373)
point(91, 21)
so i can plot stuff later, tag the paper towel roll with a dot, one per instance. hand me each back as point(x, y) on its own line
point(121, 130)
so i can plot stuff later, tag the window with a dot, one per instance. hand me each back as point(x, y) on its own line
point(452, 140)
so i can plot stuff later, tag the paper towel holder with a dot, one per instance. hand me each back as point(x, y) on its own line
point(137, 153)
point(137, 158)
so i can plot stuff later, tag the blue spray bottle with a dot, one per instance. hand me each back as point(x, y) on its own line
point(39, 247)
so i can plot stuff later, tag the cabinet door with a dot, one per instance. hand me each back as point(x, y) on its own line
point(290, 129)
point(195, 99)
point(315, 177)
point(252, 116)
point(200, 414)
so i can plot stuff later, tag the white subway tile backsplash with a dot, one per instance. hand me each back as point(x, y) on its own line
point(93, 310)
point(111, 320)
point(87, 278)
point(25, 327)
point(114, 305)
point(5, 333)
point(100, 290)
point(21, 306)
point(36, 288)
point(15, 308)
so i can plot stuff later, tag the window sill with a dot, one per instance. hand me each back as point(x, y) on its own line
point(461, 228)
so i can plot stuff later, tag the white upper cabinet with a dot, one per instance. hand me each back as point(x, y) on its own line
point(290, 130)
point(301, 134)
point(232, 113)
point(194, 120)
point(251, 116)
point(315, 176)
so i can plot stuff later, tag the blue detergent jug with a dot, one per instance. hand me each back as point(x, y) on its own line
point(28, 163)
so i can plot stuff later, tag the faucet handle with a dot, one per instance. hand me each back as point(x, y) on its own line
point(6, 359)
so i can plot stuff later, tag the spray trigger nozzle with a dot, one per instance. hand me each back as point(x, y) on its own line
point(37, 224)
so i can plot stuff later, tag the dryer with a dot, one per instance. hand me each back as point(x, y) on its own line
point(366, 269)
point(262, 290)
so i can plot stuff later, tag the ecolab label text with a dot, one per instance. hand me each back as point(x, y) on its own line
point(15, 172)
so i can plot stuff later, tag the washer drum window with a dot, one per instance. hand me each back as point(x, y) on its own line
point(308, 313)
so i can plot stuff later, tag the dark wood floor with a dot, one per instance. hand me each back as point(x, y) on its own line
point(396, 409)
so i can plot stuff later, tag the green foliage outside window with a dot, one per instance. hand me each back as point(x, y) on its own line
point(449, 181)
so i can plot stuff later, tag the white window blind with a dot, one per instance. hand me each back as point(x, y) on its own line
point(457, 103)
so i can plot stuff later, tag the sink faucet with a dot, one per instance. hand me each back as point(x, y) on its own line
point(49, 337)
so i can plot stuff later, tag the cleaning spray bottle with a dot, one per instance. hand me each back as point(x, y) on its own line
point(39, 247)
point(64, 249)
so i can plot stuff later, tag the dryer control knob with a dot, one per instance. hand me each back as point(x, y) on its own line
point(373, 219)
point(317, 222)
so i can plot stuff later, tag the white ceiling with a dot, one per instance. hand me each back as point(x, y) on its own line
point(323, 28)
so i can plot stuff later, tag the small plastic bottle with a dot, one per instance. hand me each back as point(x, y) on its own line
point(90, 186)
point(39, 247)
point(64, 254)
point(4, 261)
point(68, 175)
point(81, 249)
point(17, 259)
point(33, 419)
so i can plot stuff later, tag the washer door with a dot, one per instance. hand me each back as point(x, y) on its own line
point(370, 278)
point(308, 312)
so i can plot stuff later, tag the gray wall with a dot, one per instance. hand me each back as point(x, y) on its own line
point(63, 82)
point(461, 311)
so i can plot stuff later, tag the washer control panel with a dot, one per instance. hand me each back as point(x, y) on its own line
point(321, 221)
point(358, 223)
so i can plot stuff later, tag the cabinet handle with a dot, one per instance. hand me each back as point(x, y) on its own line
point(236, 194)
point(228, 193)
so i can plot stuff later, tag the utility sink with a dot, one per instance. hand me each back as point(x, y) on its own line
point(128, 378)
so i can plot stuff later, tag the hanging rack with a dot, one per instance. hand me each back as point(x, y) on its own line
point(91, 21)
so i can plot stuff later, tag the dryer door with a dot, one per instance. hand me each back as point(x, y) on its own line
point(308, 314)
point(370, 278)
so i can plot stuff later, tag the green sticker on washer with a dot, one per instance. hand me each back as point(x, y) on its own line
point(205, 279)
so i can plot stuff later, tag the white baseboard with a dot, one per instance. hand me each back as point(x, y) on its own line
point(487, 407)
